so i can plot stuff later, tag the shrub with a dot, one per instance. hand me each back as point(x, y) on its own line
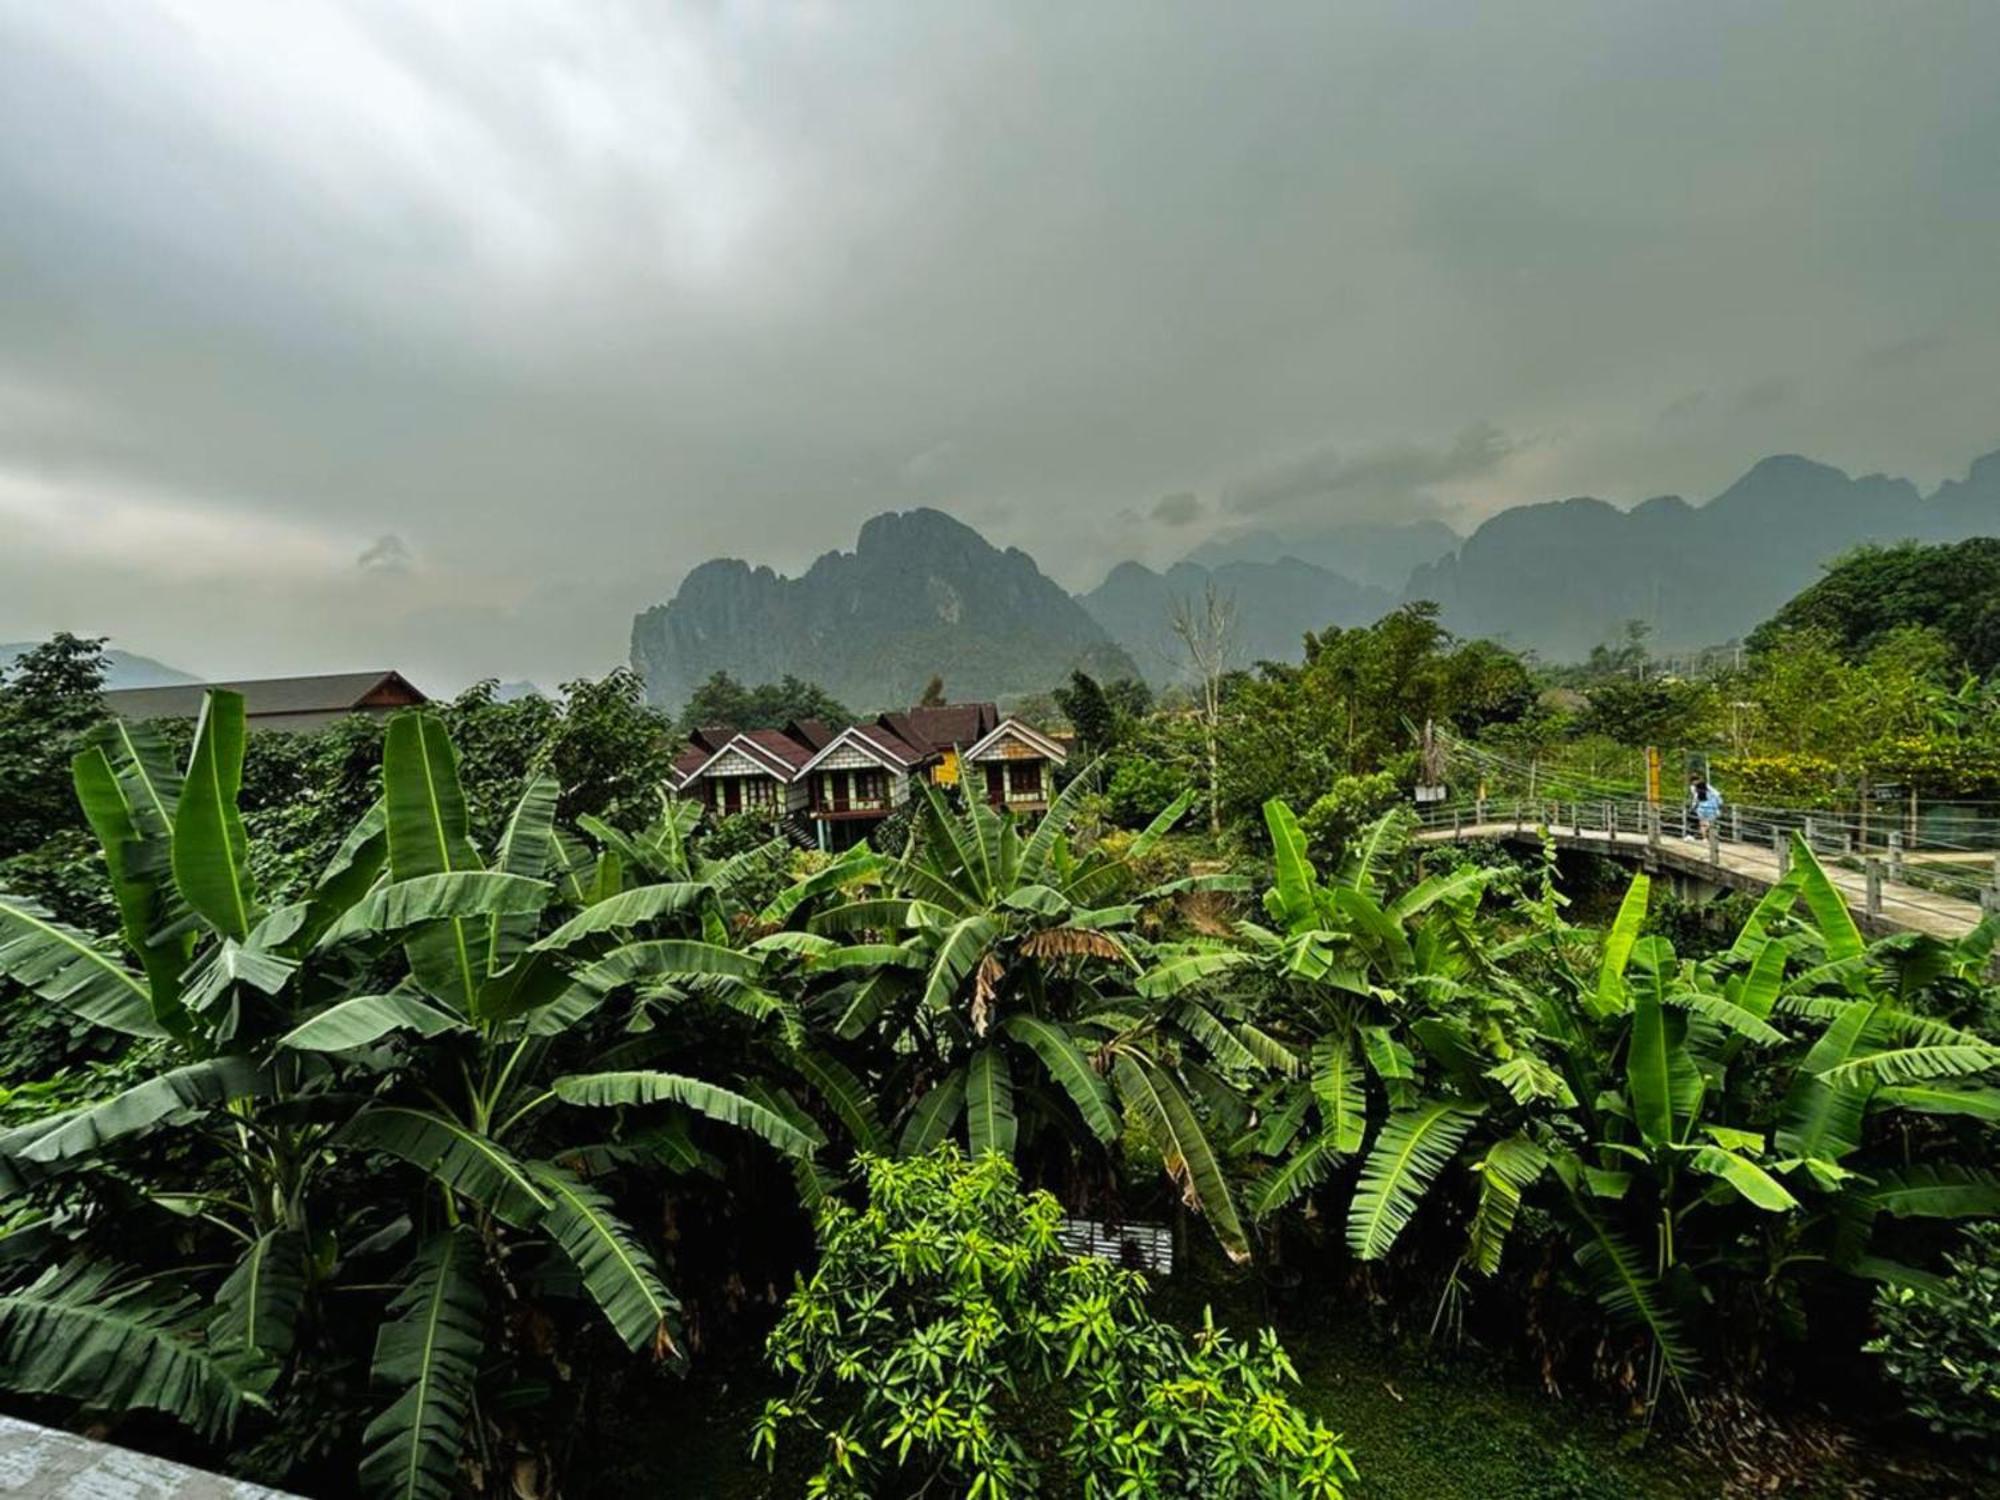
point(1777, 780)
point(1352, 803)
point(946, 1332)
point(1141, 789)
point(1942, 1346)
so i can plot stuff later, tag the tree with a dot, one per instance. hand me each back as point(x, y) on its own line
point(723, 701)
point(1005, 948)
point(1130, 699)
point(933, 693)
point(48, 699)
point(1699, 1133)
point(1089, 713)
point(1406, 668)
point(1206, 631)
point(406, 1014)
point(964, 1343)
point(1628, 656)
point(1869, 593)
point(1658, 711)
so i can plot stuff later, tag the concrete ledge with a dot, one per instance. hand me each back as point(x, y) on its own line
point(50, 1465)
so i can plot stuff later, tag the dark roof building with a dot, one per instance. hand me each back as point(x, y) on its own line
point(286, 703)
point(850, 779)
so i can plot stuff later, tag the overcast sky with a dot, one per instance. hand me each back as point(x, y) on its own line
point(441, 335)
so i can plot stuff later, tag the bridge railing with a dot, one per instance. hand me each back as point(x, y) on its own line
point(1932, 871)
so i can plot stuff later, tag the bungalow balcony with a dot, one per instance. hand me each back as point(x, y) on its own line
point(851, 795)
point(1015, 766)
point(729, 796)
point(1017, 785)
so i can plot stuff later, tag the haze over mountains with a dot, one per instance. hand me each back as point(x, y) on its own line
point(1276, 603)
point(1557, 578)
point(923, 593)
point(1381, 554)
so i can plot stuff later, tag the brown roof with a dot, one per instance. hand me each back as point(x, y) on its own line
point(271, 697)
point(814, 734)
point(946, 727)
point(780, 744)
point(908, 738)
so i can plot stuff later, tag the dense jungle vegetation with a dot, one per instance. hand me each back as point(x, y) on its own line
point(438, 1108)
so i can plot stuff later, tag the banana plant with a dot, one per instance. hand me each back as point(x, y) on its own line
point(408, 1007)
point(1677, 1121)
point(1336, 1004)
point(995, 991)
point(1724, 1110)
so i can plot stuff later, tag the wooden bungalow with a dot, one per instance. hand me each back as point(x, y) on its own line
point(1014, 766)
point(753, 771)
point(848, 781)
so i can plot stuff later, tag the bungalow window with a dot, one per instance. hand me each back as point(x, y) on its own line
point(760, 793)
point(1024, 781)
point(853, 791)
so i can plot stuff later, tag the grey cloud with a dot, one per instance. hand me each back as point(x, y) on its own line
point(386, 554)
point(1764, 394)
point(548, 292)
point(1179, 509)
point(1395, 481)
point(1683, 408)
point(1902, 352)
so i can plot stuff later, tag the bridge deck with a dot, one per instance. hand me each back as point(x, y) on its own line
point(1742, 866)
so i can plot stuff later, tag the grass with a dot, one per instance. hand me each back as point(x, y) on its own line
point(1421, 1425)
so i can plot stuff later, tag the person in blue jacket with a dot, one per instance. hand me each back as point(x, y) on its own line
point(1706, 802)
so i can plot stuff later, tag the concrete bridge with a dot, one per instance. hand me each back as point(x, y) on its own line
point(1941, 890)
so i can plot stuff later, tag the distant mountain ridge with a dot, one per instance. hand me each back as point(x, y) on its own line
point(1558, 578)
point(923, 593)
point(920, 595)
point(1276, 603)
point(122, 669)
point(1378, 554)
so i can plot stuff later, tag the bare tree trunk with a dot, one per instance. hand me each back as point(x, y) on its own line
point(1207, 633)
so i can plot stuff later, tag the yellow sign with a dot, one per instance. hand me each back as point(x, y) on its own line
point(1652, 774)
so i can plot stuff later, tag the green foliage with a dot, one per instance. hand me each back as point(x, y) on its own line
point(1012, 950)
point(404, 1014)
point(1650, 711)
point(1339, 814)
point(1801, 781)
point(722, 700)
point(427, 1020)
point(1140, 789)
point(48, 701)
point(1349, 710)
point(87, 1330)
point(1694, 1134)
point(1940, 1342)
point(1872, 592)
point(1104, 716)
point(945, 1336)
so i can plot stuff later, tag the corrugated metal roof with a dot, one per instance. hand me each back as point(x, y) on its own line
point(332, 692)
